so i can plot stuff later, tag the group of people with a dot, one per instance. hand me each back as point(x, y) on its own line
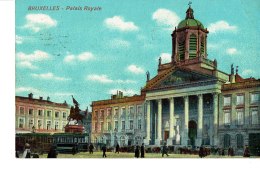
point(138, 150)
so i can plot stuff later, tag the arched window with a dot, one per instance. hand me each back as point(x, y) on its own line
point(226, 141)
point(181, 50)
point(202, 46)
point(240, 141)
point(193, 46)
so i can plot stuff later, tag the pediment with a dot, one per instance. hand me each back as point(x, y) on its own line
point(180, 76)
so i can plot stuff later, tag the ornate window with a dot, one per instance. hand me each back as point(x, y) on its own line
point(254, 98)
point(30, 123)
point(240, 99)
point(254, 116)
point(40, 112)
point(21, 122)
point(21, 110)
point(227, 100)
point(131, 124)
point(123, 125)
point(226, 141)
point(56, 125)
point(48, 113)
point(39, 124)
point(109, 126)
point(240, 117)
point(30, 111)
point(64, 115)
point(48, 125)
point(116, 112)
point(101, 126)
point(131, 110)
point(227, 117)
point(123, 111)
point(109, 112)
point(139, 110)
point(240, 141)
point(57, 114)
point(139, 124)
point(116, 125)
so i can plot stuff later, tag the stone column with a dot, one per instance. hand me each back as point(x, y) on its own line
point(215, 119)
point(148, 129)
point(185, 137)
point(159, 123)
point(200, 120)
point(172, 122)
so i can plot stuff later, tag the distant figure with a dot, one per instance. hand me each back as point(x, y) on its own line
point(137, 151)
point(104, 149)
point(164, 150)
point(117, 149)
point(142, 151)
point(230, 151)
point(246, 152)
point(52, 153)
point(27, 151)
point(201, 152)
point(91, 147)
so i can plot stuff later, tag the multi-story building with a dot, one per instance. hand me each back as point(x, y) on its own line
point(39, 115)
point(118, 120)
point(189, 102)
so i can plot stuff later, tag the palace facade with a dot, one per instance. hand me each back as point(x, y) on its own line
point(39, 115)
point(189, 102)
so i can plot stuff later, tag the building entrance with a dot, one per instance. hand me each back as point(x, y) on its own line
point(192, 132)
point(166, 135)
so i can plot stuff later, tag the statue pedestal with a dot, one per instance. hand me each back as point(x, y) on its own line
point(178, 139)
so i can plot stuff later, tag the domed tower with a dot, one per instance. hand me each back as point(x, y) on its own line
point(189, 40)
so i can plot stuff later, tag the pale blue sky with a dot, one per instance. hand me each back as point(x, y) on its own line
point(92, 54)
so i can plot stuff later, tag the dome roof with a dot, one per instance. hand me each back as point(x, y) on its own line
point(189, 21)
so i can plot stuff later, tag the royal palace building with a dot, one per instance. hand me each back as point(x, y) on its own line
point(189, 102)
point(39, 115)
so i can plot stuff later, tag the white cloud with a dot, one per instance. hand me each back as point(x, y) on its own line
point(37, 55)
point(135, 69)
point(119, 23)
point(84, 56)
point(49, 76)
point(166, 57)
point(248, 72)
point(231, 51)
point(119, 43)
point(37, 22)
point(221, 26)
point(129, 92)
point(166, 18)
point(27, 89)
point(27, 64)
point(18, 39)
point(105, 79)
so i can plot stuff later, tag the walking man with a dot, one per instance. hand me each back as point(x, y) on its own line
point(91, 147)
point(142, 151)
point(137, 151)
point(117, 148)
point(104, 149)
point(164, 150)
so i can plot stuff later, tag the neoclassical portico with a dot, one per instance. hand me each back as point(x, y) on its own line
point(179, 133)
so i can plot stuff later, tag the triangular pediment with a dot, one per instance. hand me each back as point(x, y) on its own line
point(181, 76)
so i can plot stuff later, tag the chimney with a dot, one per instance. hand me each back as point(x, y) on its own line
point(40, 98)
point(48, 98)
point(30, 96)
point(232, 76)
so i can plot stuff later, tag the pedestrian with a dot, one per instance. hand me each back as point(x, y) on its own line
point(246, 152)
point(27, 151)
point(117, 148)
point(164, 150)
point(52, 152)
point(91, 147)
point(142, 150)
point(137, 151)
point(104, 149)
point(201, 152)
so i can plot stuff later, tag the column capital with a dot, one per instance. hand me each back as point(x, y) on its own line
point(185, 97)
point(215, 94)
point(199, 95)
point(159, 100)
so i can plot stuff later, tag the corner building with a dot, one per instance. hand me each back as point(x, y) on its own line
point(191, 102)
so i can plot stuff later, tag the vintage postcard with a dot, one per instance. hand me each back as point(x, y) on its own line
point(137, 79)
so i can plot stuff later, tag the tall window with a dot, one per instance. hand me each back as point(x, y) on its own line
point(227, 100)
point(123, 125)
point(40, 112)
point(21, 110)
point(254, 98)
point(48, 113)
point(123, 111)
point(131, 126)
point(131, 110)
point(139, 124)
point(227, 117)
point(21, 123)
point(240, 141)
point(202, 47)
point(226, 141)
point(109, 126)
point(57, 114)
point(64, 115)
point(101, 126)
point(193, 46)
point(240, 117)
point(109, 112)
point(254, 116)
point(39, 124)
point(240, 99)
point(48, 125)
point(30, 111)
point(102, 113)
point(181, 47)
point(139, 110)
point(56, 125)
point(116, 112)
point(116, 125)
point(30, 123)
